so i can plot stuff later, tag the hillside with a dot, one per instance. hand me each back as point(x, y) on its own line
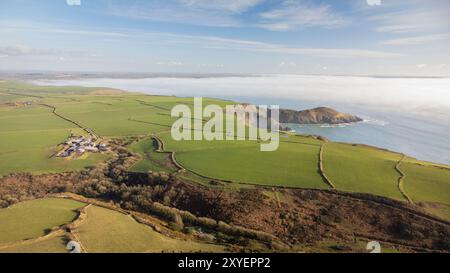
point(319, 115)
point(276, 192)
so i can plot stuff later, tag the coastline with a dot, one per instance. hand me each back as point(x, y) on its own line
point(388, 130)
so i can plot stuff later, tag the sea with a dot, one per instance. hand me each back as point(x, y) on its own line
point(403, 114)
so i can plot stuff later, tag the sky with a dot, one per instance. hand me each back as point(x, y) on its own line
point(339, 37)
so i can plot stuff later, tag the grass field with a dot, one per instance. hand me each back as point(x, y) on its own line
point(291, 165)
point(29, 135)
point(106, 230)
point(359, 168)
point(294, 164)
point(55, 244)
point(427, 183)
point(151, 160)
point(35, 218)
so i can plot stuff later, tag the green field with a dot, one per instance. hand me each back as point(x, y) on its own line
point(55, 244)
point(293, 165)
point(106, 230)
point(427, 183)
point(359, 168)
point(103, 230)
point(151, 160)
point(29, 135)
point(31, 219)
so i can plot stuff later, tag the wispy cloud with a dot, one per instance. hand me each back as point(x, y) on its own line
point(39, 27)
point(281, 16)
point(409, 21)
point(15, 50)
point(217, 13)
point(233, 6)
point(212, 42)
point(417, 40)
point(297, 14)
point(23, 50)
point(219, 43)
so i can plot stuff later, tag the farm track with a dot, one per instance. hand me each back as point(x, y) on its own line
point(400, 184)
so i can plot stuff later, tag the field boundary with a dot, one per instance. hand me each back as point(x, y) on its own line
point(386, 201)
point(396, 242)
point(321, 168)
point(152, 105)
point(160, 149)
point(8, 91)
point(182, 168)
point(82, 215)
point(148, 220)
point(401, 179)
point(383, 201)
point(57, 232)
point(87, 130)
point(147, 122)
point(62, 230)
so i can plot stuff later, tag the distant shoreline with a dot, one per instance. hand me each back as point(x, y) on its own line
point(43, 75)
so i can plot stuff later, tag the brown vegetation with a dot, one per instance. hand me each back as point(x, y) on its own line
point(300, 217)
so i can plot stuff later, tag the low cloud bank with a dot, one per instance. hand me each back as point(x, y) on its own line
point(423, 96)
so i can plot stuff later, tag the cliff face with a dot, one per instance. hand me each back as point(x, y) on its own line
point(319, 115)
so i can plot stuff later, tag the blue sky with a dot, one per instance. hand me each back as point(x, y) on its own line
point(375, 37)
